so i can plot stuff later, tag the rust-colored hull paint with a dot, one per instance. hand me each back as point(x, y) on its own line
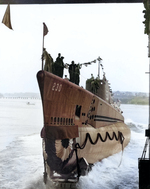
point(60, 99)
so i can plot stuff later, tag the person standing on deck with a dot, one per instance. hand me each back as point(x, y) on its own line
point(48, 61)
point(77, 73)
point(59, 66)
point(72, 67)
point(74, 71)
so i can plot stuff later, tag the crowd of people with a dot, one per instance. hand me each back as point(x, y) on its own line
point(58, 66)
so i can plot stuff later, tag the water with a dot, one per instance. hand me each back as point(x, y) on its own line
point(21, 161)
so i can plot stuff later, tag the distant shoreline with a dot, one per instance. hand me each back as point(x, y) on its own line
point(138, 98)
point(136, 101)
point(20, 95)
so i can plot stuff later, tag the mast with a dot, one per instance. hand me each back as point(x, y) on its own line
point(99, 60)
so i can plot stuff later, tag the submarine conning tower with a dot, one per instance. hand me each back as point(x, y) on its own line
point(100, 87)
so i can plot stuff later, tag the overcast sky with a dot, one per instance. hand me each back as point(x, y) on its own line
point(80, 32)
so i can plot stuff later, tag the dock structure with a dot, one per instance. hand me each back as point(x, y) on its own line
point(66, 1)
point(144, 168)
point(144, 161)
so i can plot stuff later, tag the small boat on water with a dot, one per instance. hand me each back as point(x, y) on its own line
point(29, 103)
point(81, 126)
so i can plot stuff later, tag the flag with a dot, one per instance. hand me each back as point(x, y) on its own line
point(45, 29)
point(6, 19)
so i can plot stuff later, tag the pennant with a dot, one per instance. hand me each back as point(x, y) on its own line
point(6, 19)
point(45, 29)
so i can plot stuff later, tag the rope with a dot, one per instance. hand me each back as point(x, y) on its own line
point(77, 145)
point(120, 137)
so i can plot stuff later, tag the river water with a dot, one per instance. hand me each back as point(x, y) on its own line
point(21, 161)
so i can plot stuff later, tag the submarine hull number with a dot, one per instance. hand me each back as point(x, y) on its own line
point(56, 87)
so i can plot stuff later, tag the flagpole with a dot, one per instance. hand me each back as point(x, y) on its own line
point(45, 31)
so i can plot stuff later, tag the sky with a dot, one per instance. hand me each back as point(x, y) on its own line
point(80, 32)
